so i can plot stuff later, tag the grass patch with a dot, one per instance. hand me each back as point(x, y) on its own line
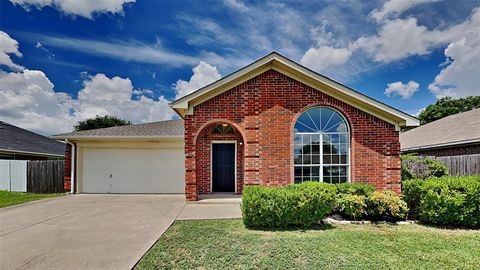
point(8, 198)
point(227, 244)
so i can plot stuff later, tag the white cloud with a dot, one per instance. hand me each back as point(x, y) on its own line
point(395, 7)
point(123, 50)
point(405, 91)
point(203, 74)
point(85, 9)
point(28, 99)
point(113, 96)
point(237, 5)
point(401, 38)
point(460, 78)
point(324, 57)
point(8, 46)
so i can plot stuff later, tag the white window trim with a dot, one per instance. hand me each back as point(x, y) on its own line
point(211, 161)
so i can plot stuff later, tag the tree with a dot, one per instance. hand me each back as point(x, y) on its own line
point(101, 122)
point(447, 106)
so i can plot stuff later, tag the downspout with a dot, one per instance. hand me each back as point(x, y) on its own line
point(72, 166)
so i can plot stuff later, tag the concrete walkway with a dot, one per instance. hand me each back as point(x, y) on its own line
point(84, 231)
point(212, 207)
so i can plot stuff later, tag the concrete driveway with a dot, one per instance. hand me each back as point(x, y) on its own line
point(84, 231)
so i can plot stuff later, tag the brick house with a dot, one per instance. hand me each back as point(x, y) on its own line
point(273, 122)
point(454, 135)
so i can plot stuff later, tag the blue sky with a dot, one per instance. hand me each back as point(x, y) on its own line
point(65, 61)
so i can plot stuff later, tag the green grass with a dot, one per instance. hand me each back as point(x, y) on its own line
point(8, 198)
point(227, 244)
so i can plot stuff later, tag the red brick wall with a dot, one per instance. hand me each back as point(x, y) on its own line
point(68, 165)
point(264, 110)
point(458, 150)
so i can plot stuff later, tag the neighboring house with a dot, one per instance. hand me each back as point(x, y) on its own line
point(21, 144)
point(454, 135)
point(273, 122)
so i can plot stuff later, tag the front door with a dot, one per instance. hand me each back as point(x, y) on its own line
point(223, 167)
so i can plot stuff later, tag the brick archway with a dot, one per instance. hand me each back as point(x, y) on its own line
point(203, 143)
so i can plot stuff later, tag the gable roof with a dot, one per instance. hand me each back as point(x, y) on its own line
point(275, 61)
point(461, 128)
point(18, 140)
point(170, 129)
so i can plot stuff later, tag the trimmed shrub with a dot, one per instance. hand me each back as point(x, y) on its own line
point(351, 206)
point(386, 205)
point(447, 201)
point(300, 205)
point(355, 189)
point(421, 167)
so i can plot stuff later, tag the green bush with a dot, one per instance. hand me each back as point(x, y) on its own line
point(386, 205)
point(300, 205)
point(355, 189)
point(425, 167)
point(351, 206)
point(448, 201)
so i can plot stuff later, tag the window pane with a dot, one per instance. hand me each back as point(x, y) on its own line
point(335, 159)
point(306, 159)
point(327, 159)
point(343, 159)
point(326, 115)
point(304, 124)
point(342, 171)
point(326, 171)
point(315, 149)
point(306, 173)
point(315, 159)
point(298, 171)
point(315, 171)
point(297, 149)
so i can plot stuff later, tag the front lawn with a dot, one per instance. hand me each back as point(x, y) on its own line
point(227, 244)
point(8, 198)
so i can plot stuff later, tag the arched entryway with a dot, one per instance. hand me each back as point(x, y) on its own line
point(219, 158)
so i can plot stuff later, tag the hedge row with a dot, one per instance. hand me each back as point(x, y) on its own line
point(448, 201)
point(308, 203)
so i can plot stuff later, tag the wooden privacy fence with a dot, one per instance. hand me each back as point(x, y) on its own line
point(32, 176)
point(465, 165)
point(461, 165)
point(45, 176)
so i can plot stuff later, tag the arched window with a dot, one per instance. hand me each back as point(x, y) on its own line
point(321, 146)
point(223, 129)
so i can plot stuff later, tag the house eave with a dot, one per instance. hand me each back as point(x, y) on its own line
point(11, 151)
point(185, 105)
point(440, 145)
point(80, 138)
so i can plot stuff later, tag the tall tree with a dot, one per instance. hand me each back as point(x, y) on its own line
point(447, 106)
point(101, 122)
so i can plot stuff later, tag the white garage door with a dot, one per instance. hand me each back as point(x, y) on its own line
point(107, 170)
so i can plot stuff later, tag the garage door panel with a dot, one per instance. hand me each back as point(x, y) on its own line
point(133, 170)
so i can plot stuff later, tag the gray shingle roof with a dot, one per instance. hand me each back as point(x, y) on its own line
point(15, 139)
point(453, 129)
point(169, 128)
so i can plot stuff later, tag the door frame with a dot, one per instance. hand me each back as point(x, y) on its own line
point(211, 161)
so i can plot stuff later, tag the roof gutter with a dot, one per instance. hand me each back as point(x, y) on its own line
point(93, 137)
point(30, 153)
point(440, 145)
